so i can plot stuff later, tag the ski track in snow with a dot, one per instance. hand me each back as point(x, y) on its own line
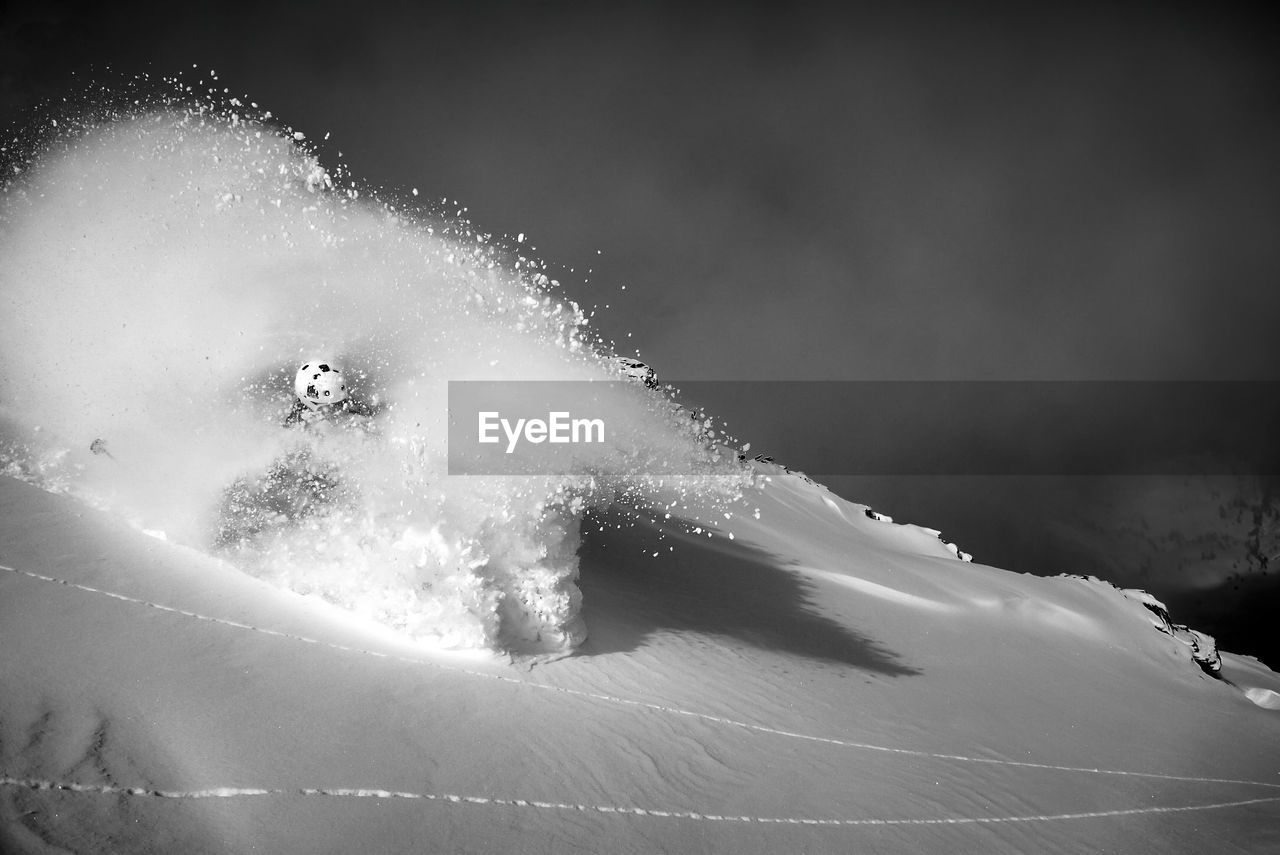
point(237, 792)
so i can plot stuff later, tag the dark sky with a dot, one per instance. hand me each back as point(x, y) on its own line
point(812, 192)
point(793, 191)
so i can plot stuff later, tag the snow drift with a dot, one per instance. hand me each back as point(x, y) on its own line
point(165, 272)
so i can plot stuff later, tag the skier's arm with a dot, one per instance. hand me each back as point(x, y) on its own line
point(294, 416)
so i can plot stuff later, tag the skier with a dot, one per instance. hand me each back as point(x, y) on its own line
point(299, 484)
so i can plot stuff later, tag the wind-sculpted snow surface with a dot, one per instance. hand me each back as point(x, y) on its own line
point(163, 274)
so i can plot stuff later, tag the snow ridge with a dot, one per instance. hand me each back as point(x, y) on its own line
point(649, 705)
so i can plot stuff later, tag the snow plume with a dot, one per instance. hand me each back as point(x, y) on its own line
point(163, 275)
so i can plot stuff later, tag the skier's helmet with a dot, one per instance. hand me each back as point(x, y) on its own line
point(634, 369)
point(319, 384)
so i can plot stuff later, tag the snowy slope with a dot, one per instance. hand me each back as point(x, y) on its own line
point(822, 682)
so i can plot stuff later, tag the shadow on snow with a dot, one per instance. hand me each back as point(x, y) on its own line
point(714, 587)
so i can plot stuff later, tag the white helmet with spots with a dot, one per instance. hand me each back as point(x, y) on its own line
point(319, 384)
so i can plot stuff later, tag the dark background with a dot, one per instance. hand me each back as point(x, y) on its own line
point(824, 192)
